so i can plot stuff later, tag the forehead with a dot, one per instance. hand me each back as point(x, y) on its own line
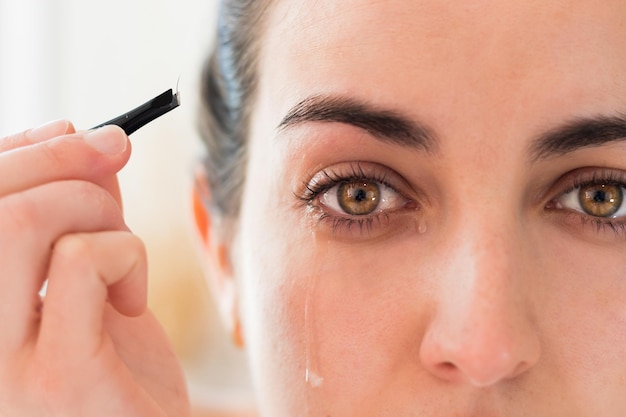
point(443, 58)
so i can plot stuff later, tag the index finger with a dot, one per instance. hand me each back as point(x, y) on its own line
point(92, 156)
point(39, 134)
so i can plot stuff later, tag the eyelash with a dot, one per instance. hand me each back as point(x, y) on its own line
point(591, 177)
point(331, 177)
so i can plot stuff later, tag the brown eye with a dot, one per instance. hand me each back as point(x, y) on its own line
point(600, 200)
point(358, 198)
point(352, 197)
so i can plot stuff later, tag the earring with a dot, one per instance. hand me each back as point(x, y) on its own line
point(237, 334)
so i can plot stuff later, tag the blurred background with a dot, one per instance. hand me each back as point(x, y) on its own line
point(89, 61)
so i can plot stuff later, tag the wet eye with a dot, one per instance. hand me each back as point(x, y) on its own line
point(358, 198)
point(361, 197)
point(595, 199)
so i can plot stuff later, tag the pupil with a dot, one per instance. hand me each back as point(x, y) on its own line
point(360, 195)
point(599, 196)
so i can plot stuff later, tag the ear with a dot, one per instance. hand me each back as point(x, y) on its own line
point(215, 250)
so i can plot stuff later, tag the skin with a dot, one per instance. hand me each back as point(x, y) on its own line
point(488, 294)
point(89, 347)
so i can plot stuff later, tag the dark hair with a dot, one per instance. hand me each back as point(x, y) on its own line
point(228, 85)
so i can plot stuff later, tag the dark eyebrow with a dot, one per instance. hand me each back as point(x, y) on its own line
point(579, 134)
point(385, 125)
point(393, 127)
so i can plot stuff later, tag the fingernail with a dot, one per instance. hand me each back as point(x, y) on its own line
point(109, 140)
point(48, 130)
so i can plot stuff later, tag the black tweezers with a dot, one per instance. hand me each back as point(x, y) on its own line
point(147, 112)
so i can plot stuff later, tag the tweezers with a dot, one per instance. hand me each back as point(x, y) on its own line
point(147, 112)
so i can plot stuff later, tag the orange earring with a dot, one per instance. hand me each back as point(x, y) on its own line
point(238, 334)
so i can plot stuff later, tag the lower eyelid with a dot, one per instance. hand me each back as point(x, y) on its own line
point(374, 226)
point(577, 221)
point(598, 226)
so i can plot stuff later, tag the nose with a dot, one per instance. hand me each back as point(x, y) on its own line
point(482, 331)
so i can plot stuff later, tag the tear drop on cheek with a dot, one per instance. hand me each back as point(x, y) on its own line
point(318, 251)
point(313, 379)
point(422, 227)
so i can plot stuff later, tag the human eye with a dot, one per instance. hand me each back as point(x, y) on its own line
point(357, 197)
point(597, 197)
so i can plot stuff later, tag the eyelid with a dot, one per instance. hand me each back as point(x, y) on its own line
point(326, 178)
point(584, 176)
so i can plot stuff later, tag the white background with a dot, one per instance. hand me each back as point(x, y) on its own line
point(89, 61)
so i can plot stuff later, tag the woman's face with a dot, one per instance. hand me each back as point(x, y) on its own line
point(432, 223)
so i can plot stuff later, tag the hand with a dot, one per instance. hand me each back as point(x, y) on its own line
point(90, 348)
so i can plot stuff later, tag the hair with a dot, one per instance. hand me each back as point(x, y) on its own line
point(228, 87)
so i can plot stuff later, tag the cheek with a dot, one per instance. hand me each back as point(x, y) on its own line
point(363, 326)
point(326, 325)
point(582, 319)
point(274, 265)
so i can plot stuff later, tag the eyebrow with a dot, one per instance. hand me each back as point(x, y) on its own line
point(579, 134)
point(393, 127)
point(386, 125)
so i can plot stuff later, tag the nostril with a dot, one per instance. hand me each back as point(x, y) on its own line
point(448, 371)
point(520, 368)
point(447, 366)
